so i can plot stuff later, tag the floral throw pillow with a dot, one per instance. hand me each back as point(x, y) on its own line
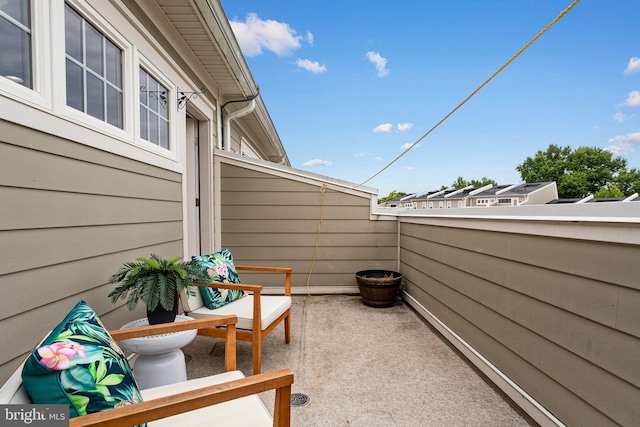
point(79, 364)
point(219, 266)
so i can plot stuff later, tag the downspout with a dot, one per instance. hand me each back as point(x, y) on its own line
point(226, 131)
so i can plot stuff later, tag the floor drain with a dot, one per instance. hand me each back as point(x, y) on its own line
point(299, 399)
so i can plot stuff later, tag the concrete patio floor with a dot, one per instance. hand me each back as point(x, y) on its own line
point(363, 366)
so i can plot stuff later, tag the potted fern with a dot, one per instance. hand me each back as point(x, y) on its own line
point(156, 282)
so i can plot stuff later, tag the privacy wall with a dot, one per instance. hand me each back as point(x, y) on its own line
point(553, 304)
point(273, 218)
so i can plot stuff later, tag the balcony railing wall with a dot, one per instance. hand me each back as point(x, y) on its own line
point(543, 299)
point(268, 217)
point(551, 303)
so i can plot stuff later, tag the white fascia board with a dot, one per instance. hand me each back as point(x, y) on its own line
point(435, 194)
point(458, 191)
point(511, 187)
point(586, 199)
point(481, 189)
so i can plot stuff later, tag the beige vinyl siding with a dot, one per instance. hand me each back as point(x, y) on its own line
point(271, 219)
point(70, 216)
point(558, 316)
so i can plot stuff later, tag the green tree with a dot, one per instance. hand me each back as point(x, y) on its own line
point(576, 173)
point(395, 194)
point(608, 192)
point(477, 183)
point(629, 181)
point(460, 182)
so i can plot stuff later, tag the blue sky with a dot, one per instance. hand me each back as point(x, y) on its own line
point(350, 84)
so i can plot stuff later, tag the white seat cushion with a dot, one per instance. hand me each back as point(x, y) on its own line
point(272, 307)
point(246, 411)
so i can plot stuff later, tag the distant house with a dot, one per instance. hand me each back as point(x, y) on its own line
point(537, 193)
point(489, 195)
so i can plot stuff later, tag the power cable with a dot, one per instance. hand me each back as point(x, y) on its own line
point(525, 47)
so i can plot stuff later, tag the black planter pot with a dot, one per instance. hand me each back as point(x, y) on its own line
point(379, 288)
point(161, 315)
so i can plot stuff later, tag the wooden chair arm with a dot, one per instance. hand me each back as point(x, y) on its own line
point(286, 270)
point(264, 269)
point(239, 286)
point(211, 322)
point(166, 328)
point(167, 406)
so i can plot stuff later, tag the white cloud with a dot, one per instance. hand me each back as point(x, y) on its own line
point(363, 154)
point(310, 38)
point(621, 117)
point(633, 66)
point(317, 162)
point(633, 99)
point(378, 158)
point(409, 168)
point(256, 34)
point(623, 144)
point(385, 127)
point(313, 66)
point(407, 146)
point(403, 127)
point(379, 61)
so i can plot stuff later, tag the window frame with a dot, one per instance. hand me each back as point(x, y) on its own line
point(125, 74)
point(155, 113)
point(59, 57)
point(39, 94)
point(172, 90)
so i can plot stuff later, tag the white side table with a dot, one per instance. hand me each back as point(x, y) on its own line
point(160, 360)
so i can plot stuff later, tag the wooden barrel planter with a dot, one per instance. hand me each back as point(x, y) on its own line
point(379, 288)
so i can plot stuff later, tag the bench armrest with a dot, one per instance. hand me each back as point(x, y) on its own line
point(167, 406)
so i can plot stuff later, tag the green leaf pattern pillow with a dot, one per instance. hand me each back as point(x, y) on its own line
point(220, 267)
point(79, 364)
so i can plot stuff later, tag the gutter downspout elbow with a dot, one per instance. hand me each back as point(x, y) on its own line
point(236, 114)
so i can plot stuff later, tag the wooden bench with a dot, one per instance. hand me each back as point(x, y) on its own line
point(227, 399)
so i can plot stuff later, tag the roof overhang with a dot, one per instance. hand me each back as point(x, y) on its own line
point(205, 32)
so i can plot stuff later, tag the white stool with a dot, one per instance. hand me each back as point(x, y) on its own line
point(159, 359)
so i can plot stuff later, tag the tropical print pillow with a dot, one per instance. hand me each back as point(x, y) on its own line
point(220, 267)
point(79, 364)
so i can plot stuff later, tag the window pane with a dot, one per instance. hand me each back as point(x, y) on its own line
point(162, 106)
point(95, 50)
point(153, 128)
point(75, 93)
point(18, 10)
point(73, 33)
point(143, 84)
point(95, 96)
point(15, 53)
point(144, 123)
point(153, 95)
point(163, 136)
point(114, 107)
point(114, 69)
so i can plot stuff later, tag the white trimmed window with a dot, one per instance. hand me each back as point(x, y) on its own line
point(154, 116)
point(15, 41)
point(93, 70)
